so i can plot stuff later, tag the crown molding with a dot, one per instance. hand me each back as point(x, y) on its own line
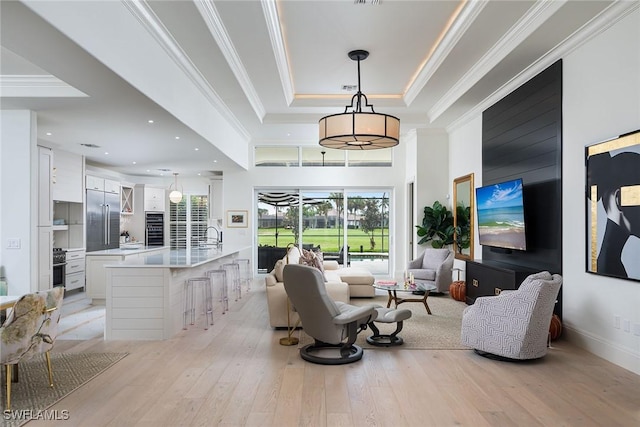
point(217, 29)
point(465, 18)
point(603, 21)
point(145, 15)
point(37, 86)
point(270, 9)
point(526, 25)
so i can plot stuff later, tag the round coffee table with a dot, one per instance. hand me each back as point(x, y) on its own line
point(394, 289)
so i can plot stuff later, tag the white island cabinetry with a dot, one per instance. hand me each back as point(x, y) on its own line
point(96, 273)
point(145, 294)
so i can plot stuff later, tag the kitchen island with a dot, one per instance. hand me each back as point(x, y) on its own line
point(96, 282)
point(144, 294)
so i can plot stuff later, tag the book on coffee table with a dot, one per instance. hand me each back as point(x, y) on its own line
point(387, 282)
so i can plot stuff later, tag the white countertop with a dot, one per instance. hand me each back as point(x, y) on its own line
point(178, 258)
point(127, 251)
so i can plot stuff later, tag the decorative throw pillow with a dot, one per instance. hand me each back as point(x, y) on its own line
point(311, 259)
point(278, 270)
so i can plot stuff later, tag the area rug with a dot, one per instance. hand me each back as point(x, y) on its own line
point(439, 331)
point(31, 396)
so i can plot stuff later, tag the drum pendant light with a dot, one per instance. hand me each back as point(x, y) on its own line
point(358, 130)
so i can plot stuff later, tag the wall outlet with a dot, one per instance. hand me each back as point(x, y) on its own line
point(13, 243)
point(626, 325)
point(616, 322)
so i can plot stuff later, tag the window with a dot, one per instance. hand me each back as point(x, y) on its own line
point(330, 222)
point(370, 158)
point(316, 156)
point(276, 156)
point(313, 156)
point(188, 221)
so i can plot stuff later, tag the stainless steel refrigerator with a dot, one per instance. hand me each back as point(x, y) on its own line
point(103, 220)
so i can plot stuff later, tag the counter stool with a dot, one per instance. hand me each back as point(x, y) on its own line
point(204, 285)
point(219, 281)
point(233, 278)
point(244, 264)
point(388, 315)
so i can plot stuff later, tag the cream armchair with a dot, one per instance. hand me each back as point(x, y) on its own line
point(514, 324)
point(433, 267)
point(31, 328)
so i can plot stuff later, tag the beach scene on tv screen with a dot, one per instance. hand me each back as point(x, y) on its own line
point(501, 215)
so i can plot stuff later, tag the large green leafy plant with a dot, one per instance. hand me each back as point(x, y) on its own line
point(437, 226)
point(463, 227)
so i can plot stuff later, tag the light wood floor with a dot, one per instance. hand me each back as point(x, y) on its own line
point(236, 374)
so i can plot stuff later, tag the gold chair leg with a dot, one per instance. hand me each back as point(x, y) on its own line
point(49, 369)
point(8, 369)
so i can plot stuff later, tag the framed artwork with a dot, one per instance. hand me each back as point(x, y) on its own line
point(613, 207)
point(237, 219)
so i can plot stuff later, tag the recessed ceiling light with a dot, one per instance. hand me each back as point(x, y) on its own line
point(134, 162)
point(199, 174)
point(148, 170)
point(288, 134)
point(177, 137)
point(215, 161)
point(106, 152)
point(196, 149)
point(49, 134)
point(150, 121)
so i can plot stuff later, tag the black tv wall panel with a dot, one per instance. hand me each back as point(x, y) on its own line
point(522, 138)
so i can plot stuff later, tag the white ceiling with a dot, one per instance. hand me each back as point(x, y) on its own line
point(227, 75)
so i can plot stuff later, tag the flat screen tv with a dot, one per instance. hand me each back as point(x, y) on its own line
point(501, 222)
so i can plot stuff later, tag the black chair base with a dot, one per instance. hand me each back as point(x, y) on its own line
point(383, 340)
point(348, 353)
point(502, 358)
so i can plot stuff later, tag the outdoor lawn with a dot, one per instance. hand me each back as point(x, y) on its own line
point(329, 239)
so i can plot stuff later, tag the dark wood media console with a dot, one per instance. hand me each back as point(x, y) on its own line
point(486, 278)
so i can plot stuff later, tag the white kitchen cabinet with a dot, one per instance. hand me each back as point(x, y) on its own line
point(45, 194)
point(126, 200)
point(111, 186)
point(68, 174)
point(96, 273)
point(68, 228)
point(94, 183)
point(154, 199)
point(75, 269)
point(45, 258)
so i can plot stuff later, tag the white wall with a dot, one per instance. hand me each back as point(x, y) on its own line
point(18, 191)
point(601, 99)
point(465, 157)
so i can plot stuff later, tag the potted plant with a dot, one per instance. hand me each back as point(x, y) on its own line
point(437, 226)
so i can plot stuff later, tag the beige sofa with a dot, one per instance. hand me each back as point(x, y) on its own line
point(342, 284)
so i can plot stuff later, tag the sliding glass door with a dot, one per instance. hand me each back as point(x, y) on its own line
point(348, 226)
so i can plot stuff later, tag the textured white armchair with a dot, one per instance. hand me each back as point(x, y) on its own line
point(515, 324)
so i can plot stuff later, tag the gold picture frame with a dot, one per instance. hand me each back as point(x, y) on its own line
point(237, 219)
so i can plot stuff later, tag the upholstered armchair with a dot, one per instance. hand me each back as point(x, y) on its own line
point(333, 325)
point(31, 328)
point(514, 324)
point(433, 267)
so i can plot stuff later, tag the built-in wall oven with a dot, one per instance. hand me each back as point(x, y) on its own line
point(59, 266)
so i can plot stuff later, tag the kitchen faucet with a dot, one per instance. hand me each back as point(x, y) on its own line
point(211, 241)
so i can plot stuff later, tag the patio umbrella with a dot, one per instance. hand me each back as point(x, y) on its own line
point(278, 200)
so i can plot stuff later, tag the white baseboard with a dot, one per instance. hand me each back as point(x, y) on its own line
point(612, 352)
